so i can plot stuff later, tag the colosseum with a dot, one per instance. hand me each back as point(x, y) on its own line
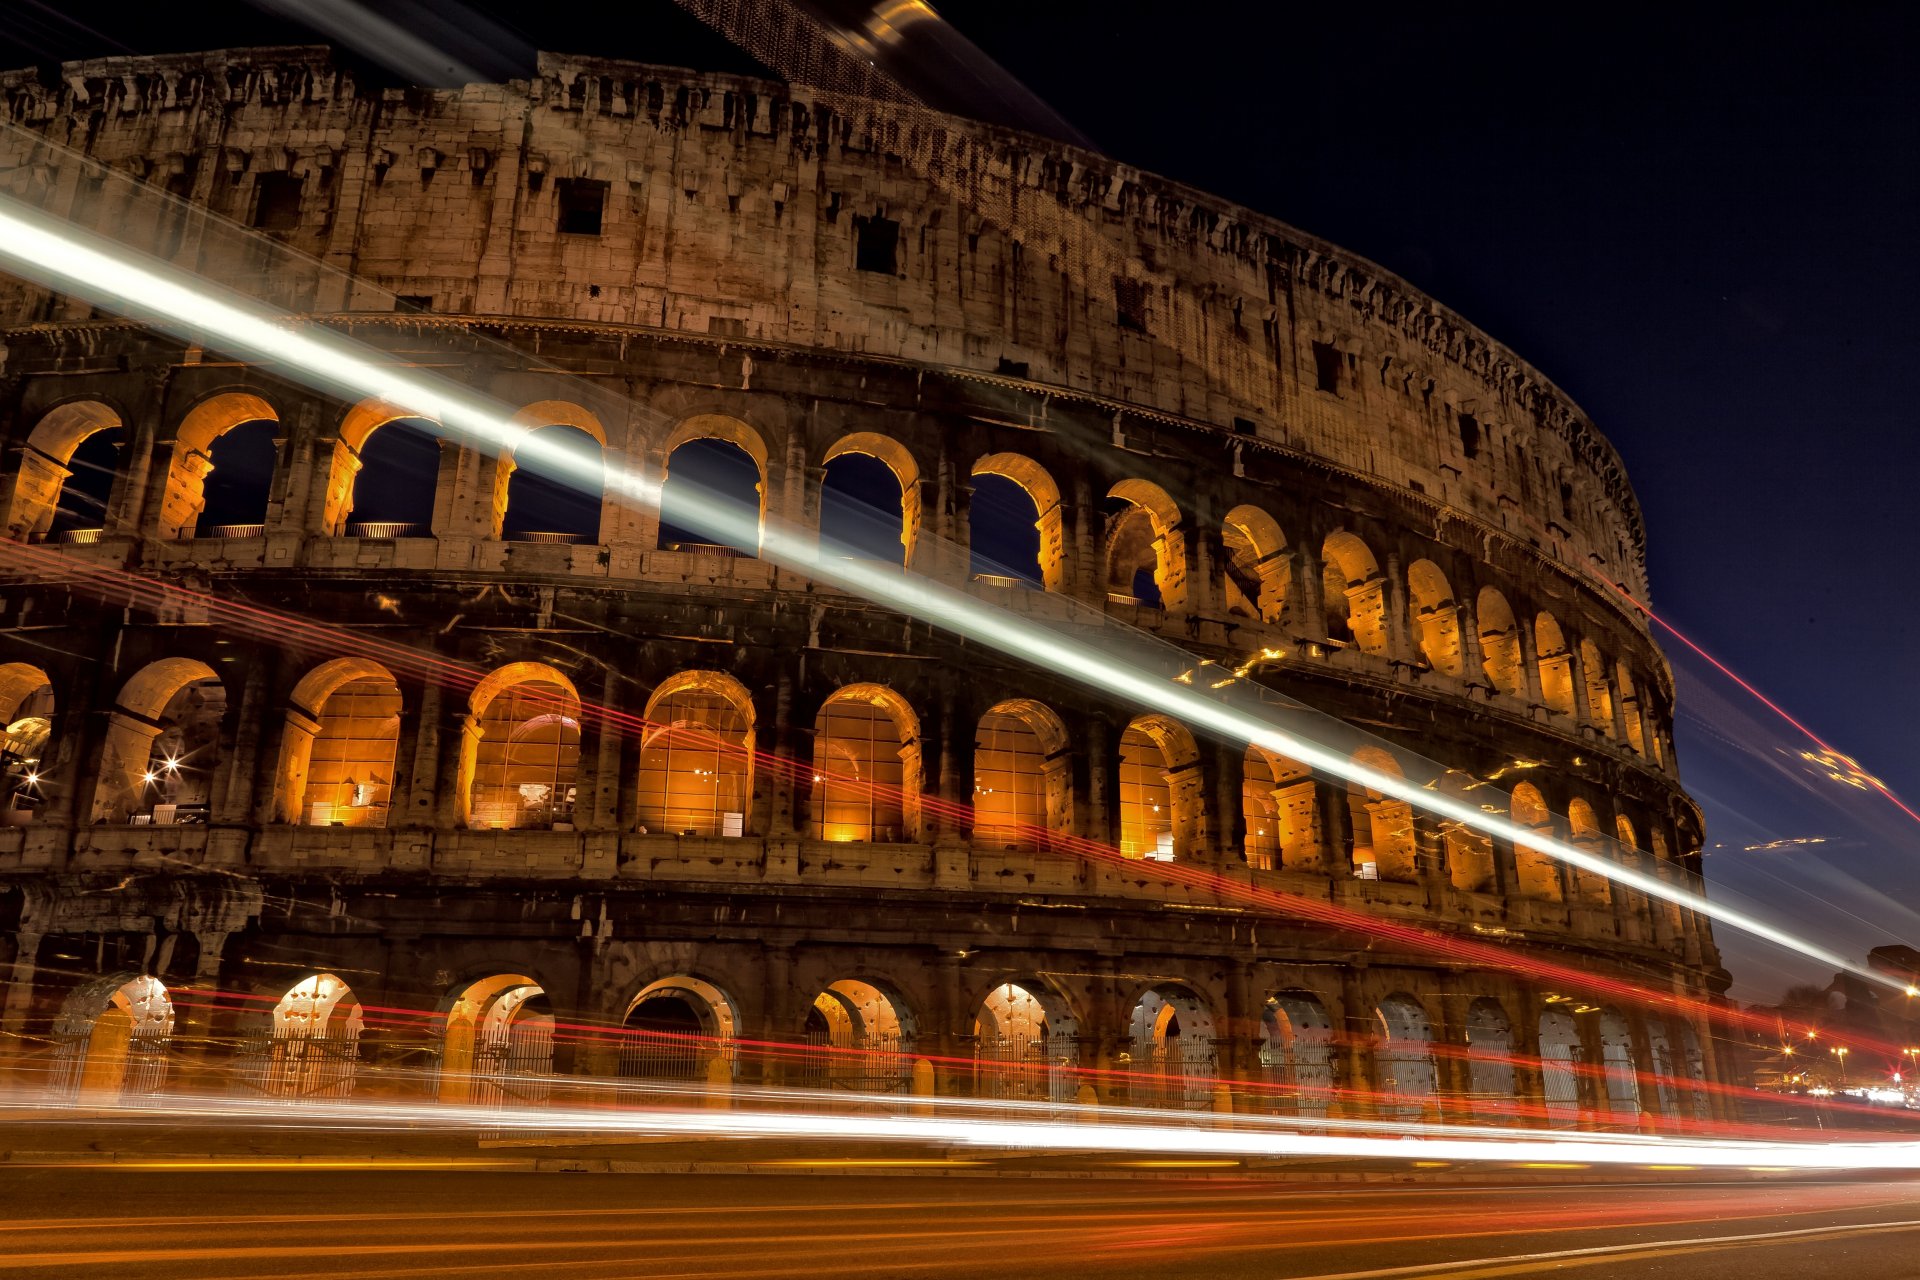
point(666, 796)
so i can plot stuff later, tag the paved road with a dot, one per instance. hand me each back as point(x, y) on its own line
point(272, 1220)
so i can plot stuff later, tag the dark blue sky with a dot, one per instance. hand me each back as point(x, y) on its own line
point(1699, 220)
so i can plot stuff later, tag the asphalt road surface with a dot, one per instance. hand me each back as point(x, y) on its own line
point(278, 1221)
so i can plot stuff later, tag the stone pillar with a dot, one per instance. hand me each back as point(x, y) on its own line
point(1453, 1067)
point(1311, 623)
point(128, 500)
point(1353, 1065)
point(774, 790)
point(416, 761)
point(1102, 796)
point(1400, 643)
point(232, 794)
point(603, 773)
point(1577, 676)
point(1085, 577)
point(18, 1005)
point(1229, 808)
point(1530, 662)
point(1529, 1082)
point(1336, 821)
point(1473, 660)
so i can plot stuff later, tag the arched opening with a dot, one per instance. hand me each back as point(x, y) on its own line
point(1630, 709)
point(26, 712)
point(1026, 1045)
point(1175, 1058)
point(867, 1037)
point(679, 1029)
point(1560, 1067)
point(1016, 528)
point(1664, 868)
point(1583, 833)
point(1296, 1052)
point(1500, 652)
point(696, 757)
point(497, 1044)
point(1435, 617)
point(220, 481)
point(521, 753)
point(556, 486)
point(66, 473)
point(1158, 788)
point(1556, 664)
point(393, 475)
point(1599, 688)
point(1022, 779)
point(1279, 802)
point(337, 747)
point(866, 767)
point(1384, 846)
point(1616, 1062)
point(713, 494)
point(162, 746)
point(1403, 1058)
point(1537, 872)
point(1259, 568)
point(1489, 1057)
point(1146, 554)
point(1354, 594)
point(870, 499)
point(1469, 853)
point(312, 1047)
point(111, 1038)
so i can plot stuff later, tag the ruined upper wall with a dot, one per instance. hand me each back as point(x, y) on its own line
point(737, 207)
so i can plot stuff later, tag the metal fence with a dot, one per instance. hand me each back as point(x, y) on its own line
point(865, 1064)
point(290, 1063)
point(1028, 1069)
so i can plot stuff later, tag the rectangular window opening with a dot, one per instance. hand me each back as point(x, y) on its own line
point(1130, 304)
point(1326, 367)
point(876, 244)
point(582, 203)
point(276, 202)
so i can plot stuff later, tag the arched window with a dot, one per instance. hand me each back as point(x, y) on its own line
point(870, 499)
point(1583, 832)
point(336, 756)
point(26, 713)
point(1354, 593)
point(1500, 651)
point(522, 750)
point(556, 488)
point(1145, 550)
point(1280, 806)
point(1025, 1044)
point(1021, 778)
point(1383, 834)
point(696, 757)
point(1599, 689)
point(1489, 1057)
point(66, 473)
point(1436, 619)
point(111, 1038)
point(398, 471)
point(866, 767)
point(679, 1028)
point(714, 492)
point(1469, 852)
point(1616, 1061)
point(162, 746)
point(1403, 1058)
point(872, 1022)
point(1259, 568)
point(1556, 664)
point(497, 1045)
point(1538, 872)
point(1296, 1050)
point(313, 1048)
point(1175, 1058)
point(1016, 530)
point(220, 478)
point(1153, 750)
point(1559, 1067)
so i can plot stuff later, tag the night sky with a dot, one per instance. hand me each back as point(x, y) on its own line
point(1701, 225)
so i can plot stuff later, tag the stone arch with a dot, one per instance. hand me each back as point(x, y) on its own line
point(357, 429)
point(697, 756)
point(707, 502)
point(1259, 567)
point(1279, 801)
point(26, 731)
point(1631, 708)
point(1050, 562)
point(866, 766)
point(1537, 872)
point(1175, 1055)
point(1490, 1080)
point(1384, 844)
point(520, 750)
point(1354, 593)
point(870, 1032)
point(337, 745)
point(497, 1043)
point(1145, 537)
point(1159, 791)
point(1556, 664)
point(897, 459)
point(47, 462)
point(1617, 1067)
point(111, 1038)
point(1435, 617)
point(1469, 852)
point(1403, 1058)
point(679, 1028)
point(1599, 689)
point(1584, 833)
point(1026, 1043)
point(1501, 655)
point(162, 744)
point(548, 463)
point(1022, 776)
point(1296, 1052)
point(1560, 1057)
point(212, 419)
point(312, 1046)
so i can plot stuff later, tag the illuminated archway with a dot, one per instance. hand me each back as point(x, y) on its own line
point(869, 1032)
point(1354, 594)
point(1469, 852)
point(75, 442)
point(520, 753)
point(1403, 1058)
point(677, 1029)
point(1631, 709)
point(866, 767)
point(1384, 845)
point(696, 757)
point(551, 486)
point(1559, 1067)
point(1556, 664)
point(312, 1046)
point(713, 491)
point(1435, 617)
point(1259, 568)
point(1537, 873)
point(1599, 688)
point(856, 468)
point(1500, 652)
point(1175, 1059)
point(385, 471)
point(1617, 1068)
point(162, 745)
point(26, 712)
point(244, 492)
point(1279, 802)
point(1584, 833)
point(1159, 789)
point(1489, 1057)
point(1296, 1052)
point(111, 1038)
point(497, 1044)
point(1026, 1044)
point(1022, 776)
point(1146, 555)
point(337, 746)
point(993, 553)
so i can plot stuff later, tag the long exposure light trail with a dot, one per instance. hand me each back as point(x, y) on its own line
point(169, 301)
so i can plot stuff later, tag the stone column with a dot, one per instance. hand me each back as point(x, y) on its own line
point(1311, 622)
point(416, 761)
point(18, 1004)
point(232, 795)
point(1353, 1065)
point(1473, 660)
point(1336, 821)
point(1400, 643)
point(1229, 808)
point(1530, 662)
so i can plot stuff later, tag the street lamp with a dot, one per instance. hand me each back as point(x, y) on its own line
point(1840, 1052)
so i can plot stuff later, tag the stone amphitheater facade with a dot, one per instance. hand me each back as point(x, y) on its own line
point(1234, 435)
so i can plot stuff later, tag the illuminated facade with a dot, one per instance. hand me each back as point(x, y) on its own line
point(805, 819)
